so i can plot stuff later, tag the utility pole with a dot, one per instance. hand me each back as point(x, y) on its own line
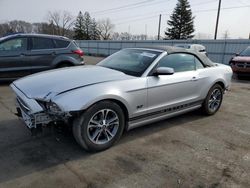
point(159, 28)
point(217, 20)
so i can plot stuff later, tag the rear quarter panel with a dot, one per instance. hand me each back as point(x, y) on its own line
point(212, 75)
point(66, 55)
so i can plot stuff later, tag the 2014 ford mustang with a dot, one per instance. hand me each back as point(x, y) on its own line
point(130, 88)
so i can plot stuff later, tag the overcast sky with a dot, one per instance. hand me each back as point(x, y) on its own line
point(138, 18)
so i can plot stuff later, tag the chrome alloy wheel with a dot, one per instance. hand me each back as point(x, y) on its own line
point(215, 100)
point(103, 126)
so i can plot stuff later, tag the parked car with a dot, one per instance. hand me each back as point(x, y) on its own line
point(23, 54)
point(241, 63)
point(130, 88)
point(197, 47)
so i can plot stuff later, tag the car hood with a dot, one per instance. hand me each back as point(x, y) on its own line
point(241, 58)
point(47, 84)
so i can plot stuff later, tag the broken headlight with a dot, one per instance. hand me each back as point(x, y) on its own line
point(53, 108)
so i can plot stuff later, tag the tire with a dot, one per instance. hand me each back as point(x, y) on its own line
point(213, 100)
point(92, 129)
point(240, 77)
point(63, 65)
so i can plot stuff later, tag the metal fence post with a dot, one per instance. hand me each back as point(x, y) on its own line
point(88, 46)
point(224, 51)
point(108, 47)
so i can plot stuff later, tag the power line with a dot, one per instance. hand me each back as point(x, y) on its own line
point(203, 3)
point(133, 20)
point(162, 11)
point(140, 15)
point(143, 4)
point(225, 8)
point(199, 11)
point(132, 7)
point(124, 6)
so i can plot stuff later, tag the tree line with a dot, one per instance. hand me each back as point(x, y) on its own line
point(84, 27)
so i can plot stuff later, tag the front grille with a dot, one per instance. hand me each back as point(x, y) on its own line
point(243, 64)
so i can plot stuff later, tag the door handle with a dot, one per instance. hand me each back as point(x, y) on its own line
point(194, 78)
point(22, 55)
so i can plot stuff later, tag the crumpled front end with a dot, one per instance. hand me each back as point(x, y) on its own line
point(36, 113)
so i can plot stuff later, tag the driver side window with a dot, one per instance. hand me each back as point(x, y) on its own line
point(18, 44)
point(180, 62)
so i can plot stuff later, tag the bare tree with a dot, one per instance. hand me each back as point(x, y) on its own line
point(139, 37)
point(4, 29)
point(44, 28)
point(62, 21)
point(125, 36)
point(115, 36)
point(105, 28)
point(200, 35)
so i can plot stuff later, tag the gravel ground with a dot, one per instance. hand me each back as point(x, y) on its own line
point(191, 150)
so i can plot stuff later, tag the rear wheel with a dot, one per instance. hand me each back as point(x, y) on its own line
point(213, 100)
point(62, 65)
point(99, 127)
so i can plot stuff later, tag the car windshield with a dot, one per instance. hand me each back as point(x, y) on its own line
point(133, 62)
point(245, 52)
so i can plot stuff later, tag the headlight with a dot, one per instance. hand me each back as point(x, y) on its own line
point(53, 107)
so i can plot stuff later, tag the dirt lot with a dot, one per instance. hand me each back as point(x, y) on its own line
point(188, 151)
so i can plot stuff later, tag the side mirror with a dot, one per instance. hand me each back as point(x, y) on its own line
point(163, 71)
point(237, 54)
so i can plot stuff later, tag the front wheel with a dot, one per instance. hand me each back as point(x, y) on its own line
point(100, 126)
point(213, 100)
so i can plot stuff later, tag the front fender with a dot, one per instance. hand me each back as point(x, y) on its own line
point(81, 99)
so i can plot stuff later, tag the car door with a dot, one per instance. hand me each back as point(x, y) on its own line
point(42, 53)
point(180, 88)
point(13, 62)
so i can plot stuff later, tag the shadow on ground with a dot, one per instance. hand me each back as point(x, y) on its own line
point(23, 154)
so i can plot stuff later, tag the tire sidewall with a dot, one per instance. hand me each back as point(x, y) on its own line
point(83, 125)
point(206, 102)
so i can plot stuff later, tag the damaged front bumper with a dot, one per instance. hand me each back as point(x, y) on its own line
point(31, 112)
point(32, 120)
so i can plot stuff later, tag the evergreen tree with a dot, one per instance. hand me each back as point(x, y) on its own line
point(87, 24)
point(86, 28)
point(181, 23)
point(94, 32)
point(79, 27)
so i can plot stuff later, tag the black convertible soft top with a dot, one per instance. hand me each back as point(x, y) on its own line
point(171, 50)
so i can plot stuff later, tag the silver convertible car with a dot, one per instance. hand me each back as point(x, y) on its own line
point(131, 88)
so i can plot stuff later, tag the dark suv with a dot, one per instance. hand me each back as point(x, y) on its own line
point(23, 54)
